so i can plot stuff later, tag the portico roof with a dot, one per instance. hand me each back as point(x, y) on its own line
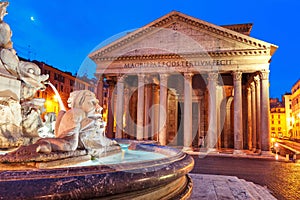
point(231, 37)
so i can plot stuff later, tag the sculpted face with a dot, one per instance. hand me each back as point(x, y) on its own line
point(90, 103)
point(85, 100)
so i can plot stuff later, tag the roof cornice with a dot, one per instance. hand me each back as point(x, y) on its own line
point(261, 52)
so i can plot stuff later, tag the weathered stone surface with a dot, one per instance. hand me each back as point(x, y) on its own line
point(226, 187)
point(29, 154)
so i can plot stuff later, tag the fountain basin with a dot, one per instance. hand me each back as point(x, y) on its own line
point(164, 177)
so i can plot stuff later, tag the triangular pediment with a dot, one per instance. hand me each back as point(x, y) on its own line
point(177, 33)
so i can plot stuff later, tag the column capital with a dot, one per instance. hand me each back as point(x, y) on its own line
point(237, 75)
point(163, 78)
point(121, 77)
point(141, 78)
point(212, 76)
point(188, 75)
point(256, 79)
point(264, 75)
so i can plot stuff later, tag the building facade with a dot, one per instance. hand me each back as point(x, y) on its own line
point(295, 97)
point(278, 122)
point(288, 114)
point(64, 82)
point(179, 79)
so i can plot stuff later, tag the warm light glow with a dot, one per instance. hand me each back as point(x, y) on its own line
point(276, 144)
point(55, 98)
point(272, 139)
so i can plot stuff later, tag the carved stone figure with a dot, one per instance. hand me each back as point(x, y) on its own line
point(80, 127)
point(26, 81)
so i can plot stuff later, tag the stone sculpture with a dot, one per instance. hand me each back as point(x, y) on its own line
point(78, 131)
point(20, 109)
point(81, 127)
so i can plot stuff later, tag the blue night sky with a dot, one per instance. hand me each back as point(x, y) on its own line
point(63, 33)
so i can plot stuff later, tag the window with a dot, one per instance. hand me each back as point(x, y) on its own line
point(279, 128)
point(272, 116)
point(61, 88)
point(273, 128)
point(278, 121)
point(278, 116)
point(272, 122)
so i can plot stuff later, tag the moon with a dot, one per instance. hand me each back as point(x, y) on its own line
point(32, 18)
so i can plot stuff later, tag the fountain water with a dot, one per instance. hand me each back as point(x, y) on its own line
point(72, 164)
point(60, 102)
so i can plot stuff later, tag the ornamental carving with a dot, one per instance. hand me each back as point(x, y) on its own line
point(212, 76)
point(188, 76)
point(237, 76)
point(163, 78)
point(264, 75)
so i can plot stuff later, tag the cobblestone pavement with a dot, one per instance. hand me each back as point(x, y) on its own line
point(281, 178)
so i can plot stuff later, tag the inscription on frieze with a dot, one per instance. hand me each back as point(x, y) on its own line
point(184, 64)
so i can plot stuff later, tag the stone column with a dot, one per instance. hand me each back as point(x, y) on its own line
point(249, 117)
point(253, 111)
point(188, 112)
point(148, 103)
point(128, 119)
point(110, 104)
point(212, 111)
point(100, 90)
point(258, 112)
point(140, 107)
point(265, 109)
point(200, 116)
point(155, 113)
point(163, 95)
point(119, 107)
point(238, 114)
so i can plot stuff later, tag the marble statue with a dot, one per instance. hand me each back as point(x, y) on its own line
point(80, 127)
point(20, 110)
point(78, 131)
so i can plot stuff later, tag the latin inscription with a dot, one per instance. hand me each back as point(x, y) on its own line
point(186, 64)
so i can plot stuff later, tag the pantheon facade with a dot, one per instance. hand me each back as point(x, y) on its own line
point(185, 82)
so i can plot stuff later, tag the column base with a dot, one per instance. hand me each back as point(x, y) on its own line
point(187, 149)
point(267, 154)
point(258, 151)
point(238, 152)
point(212, 150)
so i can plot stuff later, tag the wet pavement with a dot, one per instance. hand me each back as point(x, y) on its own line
point(281, 178)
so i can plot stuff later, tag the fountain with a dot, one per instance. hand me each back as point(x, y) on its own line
point(79, 162)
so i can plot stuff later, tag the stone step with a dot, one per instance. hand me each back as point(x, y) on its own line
point(258, 192)
point(251, 189)
point(227, 187)
point(264, 192)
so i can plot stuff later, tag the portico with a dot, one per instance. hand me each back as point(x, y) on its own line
point(179, 78)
